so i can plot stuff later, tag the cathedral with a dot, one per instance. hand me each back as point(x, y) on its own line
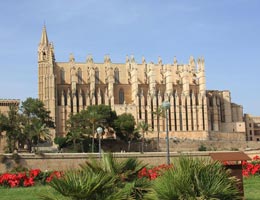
point(140, 89)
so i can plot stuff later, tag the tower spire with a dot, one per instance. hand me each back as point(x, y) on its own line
point(44, 38)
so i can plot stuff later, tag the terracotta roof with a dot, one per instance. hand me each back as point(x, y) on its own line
point(229, 156)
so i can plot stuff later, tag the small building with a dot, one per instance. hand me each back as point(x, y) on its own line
point(252, 127)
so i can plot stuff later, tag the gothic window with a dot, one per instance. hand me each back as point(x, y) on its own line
point(121, 96)
point(211, 101)
point(79, 76)
point(44, 55)
point(96, 76)
point(116, 76)
point(62, 75)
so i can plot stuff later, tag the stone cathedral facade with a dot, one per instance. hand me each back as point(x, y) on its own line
point(139, 89)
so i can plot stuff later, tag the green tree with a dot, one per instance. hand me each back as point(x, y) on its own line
point(124, 126)
point(94, 118)
point(160, 112)
point(84, 123)
point(40, 130)
point(34, 108)
point(11, 124)
point(78, 127)
point(99, 115)
point(36, 122)
point(142, 127)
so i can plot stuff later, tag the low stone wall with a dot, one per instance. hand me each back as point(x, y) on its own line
point(210, 145)
point(227, 136)
point(65, 161)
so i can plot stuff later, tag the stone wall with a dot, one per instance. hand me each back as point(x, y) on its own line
point(65, 161)
point(227, 136)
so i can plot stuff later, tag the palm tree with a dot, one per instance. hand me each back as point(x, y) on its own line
point(93, 117)
point(79, 185)
point(125, 169)
point(74, 136)
point(195, 179)
point(143, 127)
point(125, 172)
point(41, 131)
point(160, 112)
point(106, 179)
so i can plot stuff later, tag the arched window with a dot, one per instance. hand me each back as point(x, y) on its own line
point(62, 75)
point(96, 76)
point(121, 96)
point(116, 76)
point(79, 76)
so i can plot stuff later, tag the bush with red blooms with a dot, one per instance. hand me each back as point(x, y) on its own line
point(55, 174)
point(27, 179)
point(251, 168)
point(154, 172)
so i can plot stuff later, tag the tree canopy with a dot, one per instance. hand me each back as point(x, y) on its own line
point(11, 124)
point(124, 126)
point(84, 123)
point(29, 125)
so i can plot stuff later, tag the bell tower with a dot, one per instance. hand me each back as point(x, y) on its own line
point(46, 77)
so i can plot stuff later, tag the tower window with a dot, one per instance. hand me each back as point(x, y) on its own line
point(96, 76)
point(121, 96)
point(62, 75)
point(79, 76)
point(116, 76)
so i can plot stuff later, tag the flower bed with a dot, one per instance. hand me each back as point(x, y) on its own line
point(154, 172)
point(34, 176)
point(27, 178)
point(251, 168)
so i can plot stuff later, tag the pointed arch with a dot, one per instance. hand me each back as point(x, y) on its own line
point(96, 76)
point(116, 75)
point(79, 76)
point(62, 75)
point(121, 96)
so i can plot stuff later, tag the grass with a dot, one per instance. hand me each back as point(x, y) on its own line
point(29, 193)
point(251, 189)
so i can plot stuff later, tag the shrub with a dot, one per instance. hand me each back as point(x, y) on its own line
point(202, 148)
point(195, 179)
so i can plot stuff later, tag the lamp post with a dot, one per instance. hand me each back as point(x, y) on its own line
point(99, 131)
point(166, 106)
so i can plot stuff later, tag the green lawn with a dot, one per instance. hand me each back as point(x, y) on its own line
point(251, 188)
point(30, 193)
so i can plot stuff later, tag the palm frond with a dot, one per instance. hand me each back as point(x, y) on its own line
point(195, 179)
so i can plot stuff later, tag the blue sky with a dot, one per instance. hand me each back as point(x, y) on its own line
point(225, 32)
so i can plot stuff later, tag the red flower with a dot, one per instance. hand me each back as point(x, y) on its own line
point(28, 182)
point(256, 158)
point(34, 173)
point(252, 168)
point(154, 172)
point(55, 174)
